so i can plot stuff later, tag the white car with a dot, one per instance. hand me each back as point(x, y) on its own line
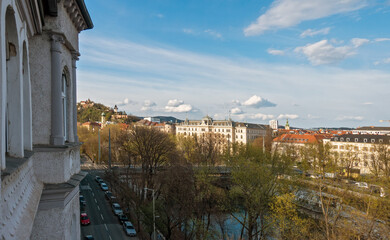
point(117, 209)
point(129, 229)
point(362, 184)
point(103, 186)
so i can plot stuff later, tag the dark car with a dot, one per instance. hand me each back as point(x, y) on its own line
point(123, 218)
point(98, 179)
point(108, 194)
point(82, 200)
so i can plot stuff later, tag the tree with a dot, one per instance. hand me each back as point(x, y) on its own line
point(152, 147)
point(381, 160)
point(285, 217)
point(255, 184)
point(349, 159)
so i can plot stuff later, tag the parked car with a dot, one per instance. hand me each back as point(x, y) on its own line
point(89, 237)
point(82, 200)
point(129, 229)
point(113, 199)
point(123, 218)
point(378, 190)
point(108, 194)
point(117, 209)
point(84, 219)
point(104, 186)
point(98, 179)
point(362, 184)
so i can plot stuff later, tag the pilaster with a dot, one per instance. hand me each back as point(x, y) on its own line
point(57, 117)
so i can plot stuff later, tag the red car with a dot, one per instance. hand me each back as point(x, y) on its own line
point(84, 219)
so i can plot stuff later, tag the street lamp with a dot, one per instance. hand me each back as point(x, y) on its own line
point(154, 214)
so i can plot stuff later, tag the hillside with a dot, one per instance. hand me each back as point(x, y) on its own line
point(91, 111)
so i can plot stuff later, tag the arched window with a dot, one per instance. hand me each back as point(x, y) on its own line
point(64, 99)
point(13, 121)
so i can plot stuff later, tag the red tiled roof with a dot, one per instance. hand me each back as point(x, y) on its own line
point(299, 138)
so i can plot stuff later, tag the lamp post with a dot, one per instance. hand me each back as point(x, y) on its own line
point(154, 214)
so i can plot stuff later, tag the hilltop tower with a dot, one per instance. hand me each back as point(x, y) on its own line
point(287, 127)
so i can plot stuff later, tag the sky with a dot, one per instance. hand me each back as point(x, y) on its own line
point(317, 63)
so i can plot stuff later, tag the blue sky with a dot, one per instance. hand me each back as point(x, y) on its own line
point(315, 62)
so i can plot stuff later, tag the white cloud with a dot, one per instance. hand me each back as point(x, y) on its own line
point(148, 105)
point(349, 118)
point(288, 116)
point(275, 52)
point(309, 116)
point(213, 33)
point(311, 32)
point(323, 52)
point(236, 102)
point(383, 61)
point(177, 106)
point(125, 102)
point(258, 102)
point(357, 42)
point(175, 103)
point(179, 109)
point(236, 111)
point(262, 116)
point(287, 13)
point(188, 31)
point(381, 39)
point(367, 103)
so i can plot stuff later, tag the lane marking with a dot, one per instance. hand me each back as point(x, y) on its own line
point(110, 237)
point(95, 200)
point(101, 215)
point(93, 194)
point(98, 207)
point(105, 225)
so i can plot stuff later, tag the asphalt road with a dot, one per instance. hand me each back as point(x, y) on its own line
point(104, 224)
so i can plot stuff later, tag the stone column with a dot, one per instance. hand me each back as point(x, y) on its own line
point(57, 116)
point(75, 57)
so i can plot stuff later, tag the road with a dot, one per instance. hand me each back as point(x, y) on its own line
point(104, 224)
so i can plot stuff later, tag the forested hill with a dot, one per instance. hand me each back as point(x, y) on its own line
point(91, 112)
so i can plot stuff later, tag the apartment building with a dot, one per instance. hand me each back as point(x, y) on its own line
point(233, 132)
point(39, 148)
point(363, 145)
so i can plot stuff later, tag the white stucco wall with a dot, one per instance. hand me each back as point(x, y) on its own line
point(20, 194)
point(62, 218)
point(56, 165)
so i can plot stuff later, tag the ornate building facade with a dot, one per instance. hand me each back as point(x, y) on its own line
point(233, 132)
point(39, 148)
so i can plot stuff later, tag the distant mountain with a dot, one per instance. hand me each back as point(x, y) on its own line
point(168, 119)
point(333, 128)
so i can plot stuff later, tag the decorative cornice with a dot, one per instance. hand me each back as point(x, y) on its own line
point(78, 14)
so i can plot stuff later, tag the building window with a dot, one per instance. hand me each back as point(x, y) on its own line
point(348, 139)
point(365, 140)
point(64, 99)
point(356, 139)
point(341, 139)
point(381, 140)
point(372, 140)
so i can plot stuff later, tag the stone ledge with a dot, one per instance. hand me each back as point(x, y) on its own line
point(55, 148)
point(59, 195)
point(13, 164)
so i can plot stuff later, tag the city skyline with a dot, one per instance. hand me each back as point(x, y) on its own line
point(326, 65)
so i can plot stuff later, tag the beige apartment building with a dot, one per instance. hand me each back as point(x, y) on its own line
point(233, 132)
point(361, 146)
